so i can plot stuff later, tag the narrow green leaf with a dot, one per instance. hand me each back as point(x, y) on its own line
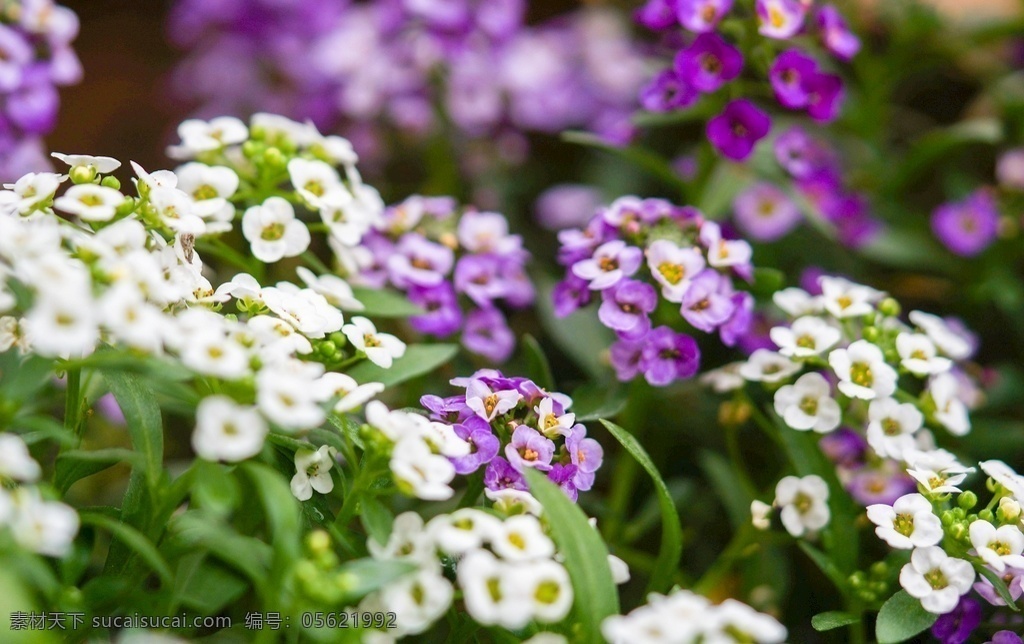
point(21, 378)
point(142, 415)
point(367, 575)
point(831, 571)
point(135, 540)
point(382, 303)
point(214, 490)
point(654, 164)
point(586, 558)
point(592, 401)
point(419, 359)
point(537, 366)
point(248, 555)
point(671, 532)
point(767, 281)
point(76, 464)
point(205, 585)
point(280, 507)
point(1000, 586)
point(576, 335)
point(723, 479)
point(377, 519)
point(833, 620)
point(939, 143)
point(901, 618)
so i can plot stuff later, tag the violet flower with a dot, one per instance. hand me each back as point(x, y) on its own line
point(780, 19)
point(483, 445)
point(627, 359)
point(669, 356)
point(701, 16)
point(709, 63)
point(836, 34)
point(708, 302)
point(668, 91)
point(956, 627)
point(529, 448)
point(565, 476)
point(765, 213)
point(443, 317)
point(1005, 637)
point(500, 475)
point(584, 453)
point(447, 410)
point(967, 227)
point(657, 15)
point(1014, 579)
point(738, 128)
point(487, 334)
point(824, 97)
point(790, 75)
point(611, 262)
point(625, 307)
point(570, 294)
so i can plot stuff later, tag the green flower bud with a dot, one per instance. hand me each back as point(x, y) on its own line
point(111, 182)
point(1009, 510)
point(871, 333)
point(986, 515)
point(318, 541)
point(889, 307)
point(879, 569)
point(273, 158)
point(338, 338)
point(250, 149)
point(328, 349)
point(967, 500)
point(947, 518)
point(959, 513)
point(858, 580)
point(82, 174)
point(257, 132)
point(958, 531)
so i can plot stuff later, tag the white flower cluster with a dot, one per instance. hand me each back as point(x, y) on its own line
point(683, 617)
point(506, 568)
point(932, 530)
point(347, 207)
point(41, 526)
point(420, 451)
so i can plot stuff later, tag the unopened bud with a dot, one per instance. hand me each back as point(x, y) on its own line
point(986, 515)
point(111, 182)
point(947, 518)
point(733, 414)
point(318, 541)
point(870, 333)
point(273, 158)
point(967, 500)
point(82, 174)
point(1009, 510)
point(879, 569)
point(958, 531)
point(889, 307)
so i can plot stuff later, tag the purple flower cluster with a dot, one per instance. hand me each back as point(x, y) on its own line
point(512, 424)
point(358, 61)
point(868, 480)
point(457, 265)
point(707, 62)
point(35, 58)
point(818, 176)
point(642, 255)
point(967, 227)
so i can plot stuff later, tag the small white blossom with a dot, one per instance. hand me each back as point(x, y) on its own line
point(312, 472)
point(490, 404)
point(998, 547)
point(417, 600)
point(273, 231)
point(734, 621)
point(420, 472)
point(949, 409)
point(350, 394)
point(937, 579)
point(797, 302)
point(521, 538)
point(807, 336)
point(936, 470)
point(200, 136)
point(918, 355)
point(862, 371)
point(102, 165)
point(227, 431)
point(673, 267)
point(551, 425)
point(1004, 475)
point(946, 339)
point(760, 515)
point(547, 588)
point(724, 379)
point(380, 348)
point(90, 202)
point(906, 524)
point(464, 530)
point(768, 366)
point(493, 591)
point(891, 427)
point(45, 527)
point(808, 404)
point(34, 189)
point(844, 299)
point(15, 461)
point(804, 503)
point(335, 290)
point(314, 180)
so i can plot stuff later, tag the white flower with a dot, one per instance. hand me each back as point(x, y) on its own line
point(175, 209)
point(906, 524)
point(804, 503)
point(486, 232)
point(286, 394)
point(1004, 475)
point(521, 538)
point(312, 472)
point(547, 588)
point(12, 334)
point(335, 290)
point(620, 570)
point(768, 366)
point(937, 579)
point(807, 336)
point(380, 348)
point(200, 136)
point(862, 371)
point(463, 531)
point(723, 253)
point(918, 355)
point(314, 180)
point(273, 231)
point(211, 353)
point(891, 427)
point(348, 220)
point(844, 299)
point(949, 409)
point(275, 126)
point(102, 165)
point(306, 310)
point(15, 461)
point(510, 501)
point(490, 404)
point(210, 188)
point(797, 302)
point(760, 514)
point(45, 527)
point(998, 547)
point(548, 423)
point(493, 592)
point(808, 404)
point(733, 621)
point(673, 267)
point(420, 472)
point(226, 431)
point(90, 202)
point(34, 189)
point(63, 325)
point(679, 617)
point(158, 179)
point(350, 394)
point(277, 339)
point(417, 600)
point(948, 341)
point(724, 379)
point(408, 541)
point(936, 470)
point(131, 320)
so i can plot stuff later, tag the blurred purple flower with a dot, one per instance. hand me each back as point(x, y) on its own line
point(487, 334)
point(956, 627)
point(737, 130)
point(765, 213)
point(836, 34)
point(709, 63)
point(967, 227)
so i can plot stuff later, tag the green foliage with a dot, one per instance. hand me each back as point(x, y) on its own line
point(901, 618)
point(418, 360)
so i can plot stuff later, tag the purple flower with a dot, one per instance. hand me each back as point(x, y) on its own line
point(739, 323)
point(789, 76)
point(479, 277)
point(1006, 637)
point(486, 333)
point(657, 15)
point(799, 154)
point(529, 448)
point(737, 129)
point(586, 454)
point(824, 97)
point(447, 410)
point(780, 19)
point(883, 485)
point(1014, 579)
point(625, 306)
point(443, 317)
point(700, 16)
point(668, 91)
point(709, 63)
point(570, 294)
point(708, 302)
point(669, 356)
point(611, 262)
point(483, 444)
point(956, 627)
point(844, 447)
point(627, 359)
point(419, 261)
point(854, 224)
point(566, 205)
point(765, 212)
point(564, 476)
point(836, 34)
point(500, 475)
point(107, 405)
point(967, 227)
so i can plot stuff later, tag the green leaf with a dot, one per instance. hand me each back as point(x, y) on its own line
point(577, 335)
point(723, 479)
point(214, 489)
point(901, 618)
point(537, 366)
point(205, 585)
point(76, 464)
point(826, 565)
point(363, 576)
point(833, 620)
point(419, 359)
point(135, 540)
point(586, 558)
point(667, 563)
point(592, 401)
point(280, 507)
point(939, 143)
point(654, 164)
point(248, 555)
point(21, 378)
point(1000, 586)
point(142, 416)
point(376, 518)
point(382, 303)
point(767, 281)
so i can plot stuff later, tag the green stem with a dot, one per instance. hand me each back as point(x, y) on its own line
point(73, 400)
